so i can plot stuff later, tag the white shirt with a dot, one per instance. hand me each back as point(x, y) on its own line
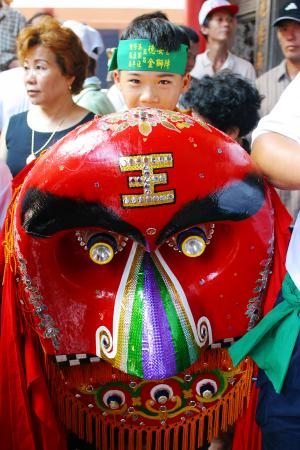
point(203, 66)
point(5, 190)
point(13, 96)
point(285, 119)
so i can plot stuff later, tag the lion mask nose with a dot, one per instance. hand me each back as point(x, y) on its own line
point(157, 337)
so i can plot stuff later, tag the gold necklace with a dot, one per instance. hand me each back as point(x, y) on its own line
point(34, 154)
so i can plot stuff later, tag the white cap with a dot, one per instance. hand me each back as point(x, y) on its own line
point(210, 6)
point(90, 38)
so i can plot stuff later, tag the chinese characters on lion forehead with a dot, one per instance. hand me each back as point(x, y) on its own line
point(152, 239)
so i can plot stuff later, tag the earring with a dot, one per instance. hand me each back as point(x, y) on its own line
point(70, 87)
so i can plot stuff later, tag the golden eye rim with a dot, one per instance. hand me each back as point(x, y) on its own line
point(193, 236)
point(104, 244)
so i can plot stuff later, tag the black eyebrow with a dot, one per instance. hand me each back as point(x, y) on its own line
point(165, 74)
point(44, 214)
point(236, 201)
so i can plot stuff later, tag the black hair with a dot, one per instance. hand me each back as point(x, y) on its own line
point(226, 100)
point(160, 32)
point(152, 15)
point(191, 33)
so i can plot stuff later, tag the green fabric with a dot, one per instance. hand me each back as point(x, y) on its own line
point(271, 343)
point(140, 54)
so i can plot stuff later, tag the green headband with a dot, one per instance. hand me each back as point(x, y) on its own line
point(140, 54)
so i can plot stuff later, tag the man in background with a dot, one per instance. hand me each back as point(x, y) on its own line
point(272, 83)
point(11, 22)
point(217, 19)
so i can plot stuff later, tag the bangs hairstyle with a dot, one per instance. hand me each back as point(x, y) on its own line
point(160, 32)
point(70, 56)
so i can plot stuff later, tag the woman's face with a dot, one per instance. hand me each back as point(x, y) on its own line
point(44, 81)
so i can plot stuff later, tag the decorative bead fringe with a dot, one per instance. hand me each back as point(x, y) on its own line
point(95, 428)
point(8, 241)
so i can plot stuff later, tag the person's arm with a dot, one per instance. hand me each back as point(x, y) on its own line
point(276, 140)
point(278, 158)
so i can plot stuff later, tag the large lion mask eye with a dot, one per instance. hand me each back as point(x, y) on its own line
point(102, 248)
point(192, 242)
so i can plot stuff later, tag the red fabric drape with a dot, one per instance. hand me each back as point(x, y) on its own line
point(27, 421)
point(282, 235)
point(247, 435)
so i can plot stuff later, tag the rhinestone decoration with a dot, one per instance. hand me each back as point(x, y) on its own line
point(147, 179)
point(254, 306)
point(50, 331)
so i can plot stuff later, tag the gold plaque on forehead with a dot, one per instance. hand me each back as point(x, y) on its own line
point(147, 179)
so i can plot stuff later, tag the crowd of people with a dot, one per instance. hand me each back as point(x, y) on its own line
point(49, 87)
point(217, 23)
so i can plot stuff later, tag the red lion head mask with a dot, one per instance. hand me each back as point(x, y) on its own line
point(143, 237)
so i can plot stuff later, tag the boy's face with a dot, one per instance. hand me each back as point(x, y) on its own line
point(151, 89)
